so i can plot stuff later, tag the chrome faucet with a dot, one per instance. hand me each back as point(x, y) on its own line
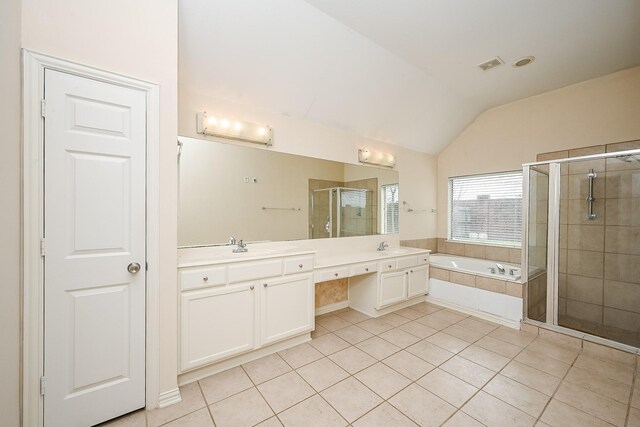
point(501, 269)
point(242, 247)
point(383, 246)
point(232, 241)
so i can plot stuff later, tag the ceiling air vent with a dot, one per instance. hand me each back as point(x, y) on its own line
point(491, 63)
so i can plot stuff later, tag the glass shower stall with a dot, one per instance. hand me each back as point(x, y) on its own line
point(342, 212)
point(582, 245)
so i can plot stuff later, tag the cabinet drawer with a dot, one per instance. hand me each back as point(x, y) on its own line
point(203, 277)
point(407, 261)
point(254, 270)
point(367, 268)
point(423, 259)
point(388, 265)
point(332, 274)
point(298, 265)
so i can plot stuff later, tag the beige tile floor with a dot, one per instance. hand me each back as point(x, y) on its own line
point(424, 365)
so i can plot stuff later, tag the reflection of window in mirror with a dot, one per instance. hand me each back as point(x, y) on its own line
point(390, 209)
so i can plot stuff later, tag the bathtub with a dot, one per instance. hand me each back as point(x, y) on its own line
point(478, 267)
point(468, 285)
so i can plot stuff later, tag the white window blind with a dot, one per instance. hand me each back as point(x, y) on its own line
point(486, 208)
point(390, 209)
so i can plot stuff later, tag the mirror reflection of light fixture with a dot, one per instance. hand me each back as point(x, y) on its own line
point(233, 129)
point(378, 158)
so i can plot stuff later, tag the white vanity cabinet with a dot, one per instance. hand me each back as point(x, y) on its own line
point(287, 307)
point(401, 285)
point(228, 309)
point(400, 281)
point(418, 281)
point(392, 288)
point(217, 323)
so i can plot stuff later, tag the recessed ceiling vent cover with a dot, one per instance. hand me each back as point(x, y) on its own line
point(491, 63)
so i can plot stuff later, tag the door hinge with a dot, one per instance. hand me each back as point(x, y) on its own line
point(146, 266)
point(42, 386)
point(42, 250)
point(43, 107)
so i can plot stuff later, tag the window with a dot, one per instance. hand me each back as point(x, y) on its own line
point(486, 208)
point(390, 209)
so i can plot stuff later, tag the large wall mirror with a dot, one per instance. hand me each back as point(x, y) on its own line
point(254, 194)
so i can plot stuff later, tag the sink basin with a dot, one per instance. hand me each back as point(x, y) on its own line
point(394, 251)
point(252, 252)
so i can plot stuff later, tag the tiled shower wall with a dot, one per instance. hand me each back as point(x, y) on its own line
point(599, 263)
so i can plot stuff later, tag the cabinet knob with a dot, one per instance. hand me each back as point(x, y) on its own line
point(389, 265)
point(366, 269)
point(425, 260)
point(264, 285)
point(299, 265)
point(335, 274)
point(251, 287)
point(411, 271)
point(205, 278)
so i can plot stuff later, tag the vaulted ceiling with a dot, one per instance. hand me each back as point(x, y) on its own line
point(401, 71)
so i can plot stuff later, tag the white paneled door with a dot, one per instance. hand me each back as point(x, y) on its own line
point(94, 250)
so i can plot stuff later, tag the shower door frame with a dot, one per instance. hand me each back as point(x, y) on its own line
point(553, 245)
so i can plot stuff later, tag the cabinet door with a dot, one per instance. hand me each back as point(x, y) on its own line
point(217, 323)
point(287, 307)
point(392, 289)
point(418, 281)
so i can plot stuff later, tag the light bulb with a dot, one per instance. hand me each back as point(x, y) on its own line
point(262, 131)
point(212, 120)
point(225, 123)
point(238, 125)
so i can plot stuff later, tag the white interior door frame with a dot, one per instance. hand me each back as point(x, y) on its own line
point(34, 65)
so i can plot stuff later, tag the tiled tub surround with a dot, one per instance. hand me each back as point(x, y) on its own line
point(452, 282)
point(599, 264)
point(480, 251)
point(420, 366)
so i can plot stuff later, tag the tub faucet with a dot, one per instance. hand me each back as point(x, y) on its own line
point(383, 246)
point(232, 241)
point(242, 247)
point(501, 269)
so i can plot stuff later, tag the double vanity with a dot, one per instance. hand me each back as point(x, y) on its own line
point(236, 307)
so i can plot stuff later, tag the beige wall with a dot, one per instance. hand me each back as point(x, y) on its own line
point(136, 38)
point(10, 300)
point(598, 111)
point(299, 136)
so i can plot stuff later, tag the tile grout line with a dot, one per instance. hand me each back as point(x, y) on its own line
point(485, 384)
point(562, 380)
point(633, 385)
point(206, 404)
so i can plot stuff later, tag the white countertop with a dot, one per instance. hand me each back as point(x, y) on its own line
point(330, 260)
point(191, 257)
point(197, 256)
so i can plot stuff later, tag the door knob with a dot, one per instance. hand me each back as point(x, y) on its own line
point(133, 268)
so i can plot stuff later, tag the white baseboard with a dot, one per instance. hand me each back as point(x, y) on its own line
point(169, 398)
point(332, 307)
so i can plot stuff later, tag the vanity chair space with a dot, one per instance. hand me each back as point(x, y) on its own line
point(232, 304)
point(382, 281)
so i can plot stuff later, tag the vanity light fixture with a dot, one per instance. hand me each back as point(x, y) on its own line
point(379, 158)
point(233, 129)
